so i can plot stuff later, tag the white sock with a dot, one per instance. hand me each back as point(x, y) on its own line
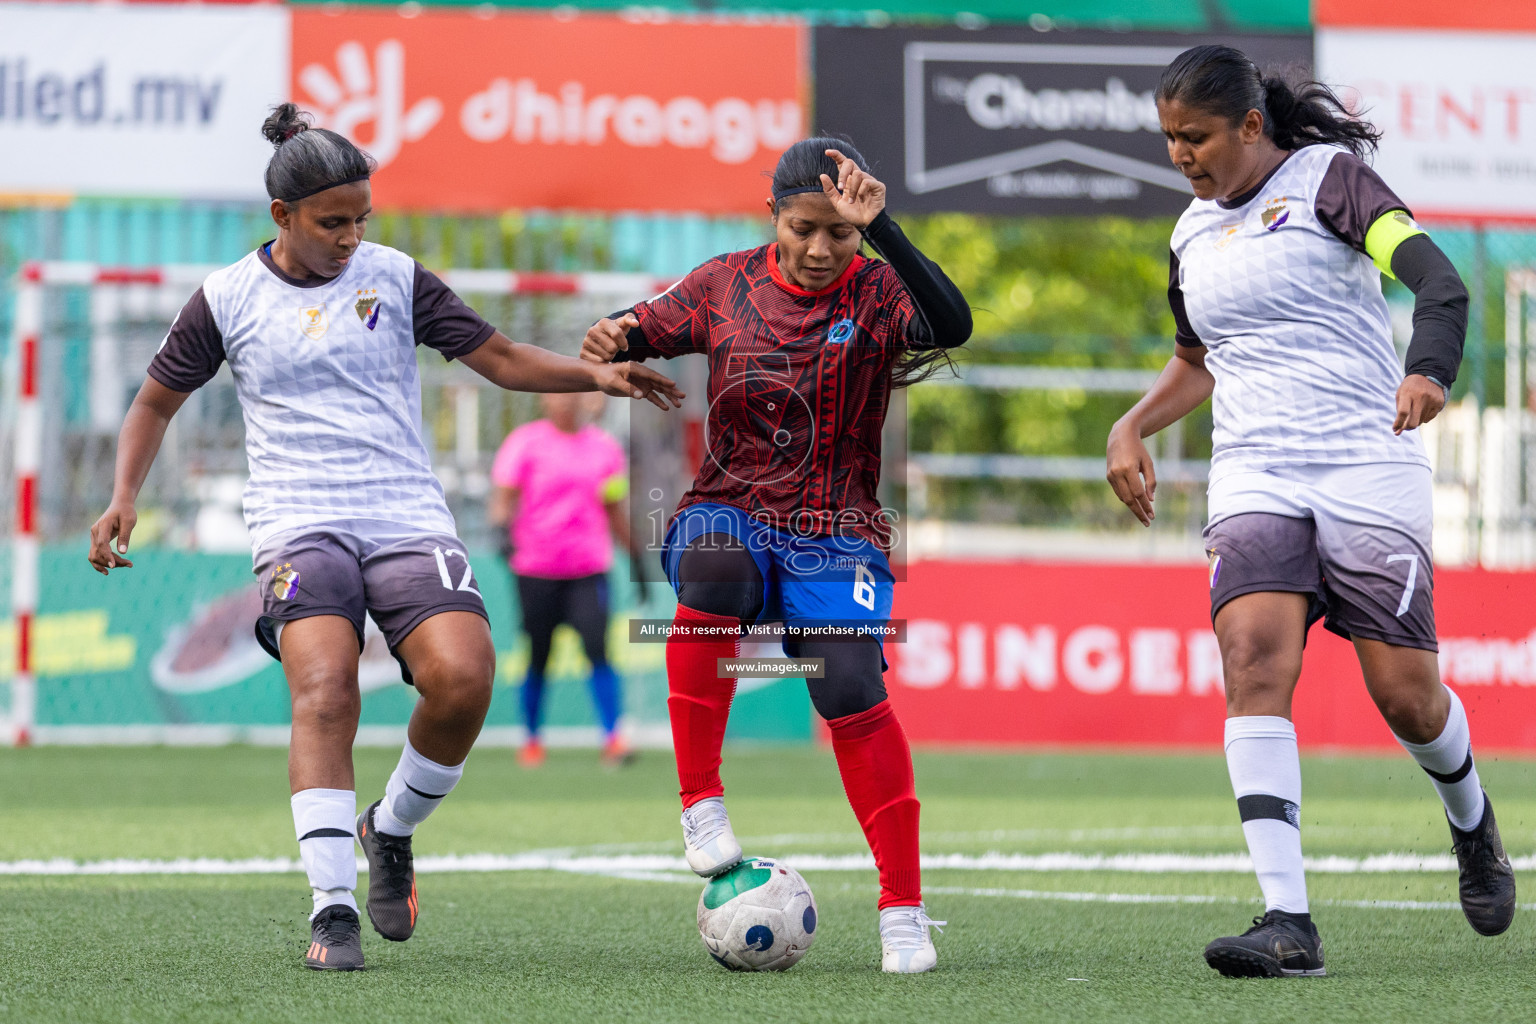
point(1266, 779)
point(1447, 759)
point(414, 791)
point(323, 820)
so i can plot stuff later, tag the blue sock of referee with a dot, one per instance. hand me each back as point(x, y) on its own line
point(533, 701)
point(605, 695)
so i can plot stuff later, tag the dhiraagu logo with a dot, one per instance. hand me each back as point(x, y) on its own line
point(841, 331)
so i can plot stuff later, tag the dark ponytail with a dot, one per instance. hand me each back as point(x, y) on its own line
point(309, 160)
point(1222, 80)
point(798, 171)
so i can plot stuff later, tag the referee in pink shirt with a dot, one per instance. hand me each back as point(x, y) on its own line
point(560, 484)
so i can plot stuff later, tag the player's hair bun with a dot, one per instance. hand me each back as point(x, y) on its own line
point(285, 121)
point(308, 159)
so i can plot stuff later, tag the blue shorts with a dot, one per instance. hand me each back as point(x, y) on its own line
point(807, 581)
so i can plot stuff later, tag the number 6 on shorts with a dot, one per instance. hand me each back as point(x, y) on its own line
point(864, 586)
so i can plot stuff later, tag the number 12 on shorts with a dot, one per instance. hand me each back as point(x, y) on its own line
point(468, 582)
point(1413, 577)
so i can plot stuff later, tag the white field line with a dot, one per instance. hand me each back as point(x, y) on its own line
point(1150, 897)
point(1071, 835)
point(1133, 863)
point(636, 869)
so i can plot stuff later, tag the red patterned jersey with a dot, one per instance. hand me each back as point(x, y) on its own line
point(799, 383)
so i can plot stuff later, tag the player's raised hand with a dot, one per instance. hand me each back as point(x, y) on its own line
point(606, 338)
point(856, 195)
point(631, 380)
point(116, 523)
point(1131, 473)
point(1419, 400)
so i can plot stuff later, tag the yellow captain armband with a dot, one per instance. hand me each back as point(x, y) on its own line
point(614, 488)
point(1389, 231)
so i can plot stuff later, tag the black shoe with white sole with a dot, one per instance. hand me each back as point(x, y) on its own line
point(1279, 945)
point(1487, 880)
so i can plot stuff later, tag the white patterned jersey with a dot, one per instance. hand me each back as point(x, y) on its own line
point(325, 370)
point(1277, 286)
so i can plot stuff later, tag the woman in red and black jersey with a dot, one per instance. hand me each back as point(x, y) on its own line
point(805, 339)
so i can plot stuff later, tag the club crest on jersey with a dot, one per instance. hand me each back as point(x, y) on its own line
point(1215, 568)
point(285, 581)
point(841, 331)
point(368, 307)
point(312, 321)
point(1275, 213)
point(1228, 232)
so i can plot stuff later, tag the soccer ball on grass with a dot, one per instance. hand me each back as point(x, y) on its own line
point(758, 916)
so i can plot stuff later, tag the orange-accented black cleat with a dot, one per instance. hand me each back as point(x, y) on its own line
point(391, 879)
point(335, 941)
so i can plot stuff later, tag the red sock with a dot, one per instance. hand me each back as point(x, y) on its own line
point(699, 702)
point(876, 765)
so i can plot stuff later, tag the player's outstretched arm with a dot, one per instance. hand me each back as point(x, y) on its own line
point(137, 444)
point(530, 368)
point(1178, 391)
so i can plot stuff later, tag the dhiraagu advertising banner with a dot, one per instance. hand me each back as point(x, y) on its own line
point(165, 652)
point(467, 110)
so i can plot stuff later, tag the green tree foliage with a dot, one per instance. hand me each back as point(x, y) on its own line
point(1053, 292)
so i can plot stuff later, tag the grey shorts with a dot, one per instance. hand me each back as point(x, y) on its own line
point(1356, 539)
point(400, 581)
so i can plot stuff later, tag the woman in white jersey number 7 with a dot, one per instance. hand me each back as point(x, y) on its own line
point(320, 329)
point(1320, 491)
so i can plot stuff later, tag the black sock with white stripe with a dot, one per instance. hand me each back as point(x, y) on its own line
point(1447, 760)
point(415, 789)
point(323, 820)
point(1266, 777)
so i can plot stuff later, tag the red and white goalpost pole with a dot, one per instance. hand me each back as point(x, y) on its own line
point(28, 454)
point(27, 457)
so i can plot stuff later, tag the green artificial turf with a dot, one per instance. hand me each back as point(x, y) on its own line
point(561, 946)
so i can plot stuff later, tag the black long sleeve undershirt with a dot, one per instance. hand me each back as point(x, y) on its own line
point(1439, 309)
point(943, 317)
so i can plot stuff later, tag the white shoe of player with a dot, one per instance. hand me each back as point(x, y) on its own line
point(708, 841)
point(905, 945)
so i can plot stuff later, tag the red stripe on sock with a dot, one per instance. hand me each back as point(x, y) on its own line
point(876, 764)
point(699, 702)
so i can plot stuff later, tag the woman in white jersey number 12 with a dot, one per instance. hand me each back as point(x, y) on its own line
point(320, 330)
point(1319, 497)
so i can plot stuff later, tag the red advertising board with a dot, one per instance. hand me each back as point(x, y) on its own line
point(1059, 653)
point(488, 111)
point(1483, 15)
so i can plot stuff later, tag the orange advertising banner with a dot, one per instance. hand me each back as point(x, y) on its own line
point(480, 111)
